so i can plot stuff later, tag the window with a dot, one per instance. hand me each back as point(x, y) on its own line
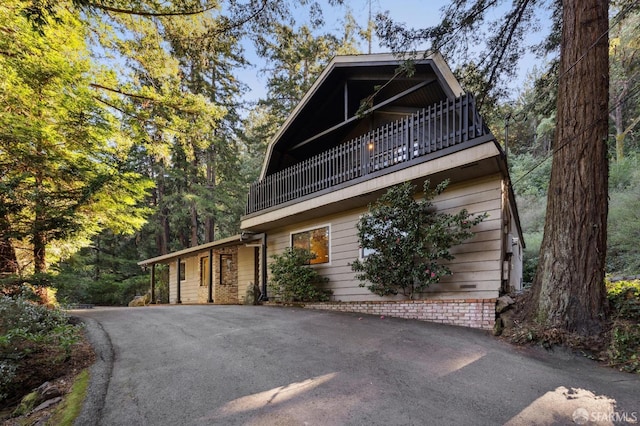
point(316, 241)
point(204, 271)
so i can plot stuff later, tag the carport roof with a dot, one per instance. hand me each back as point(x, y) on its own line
point(224, 242)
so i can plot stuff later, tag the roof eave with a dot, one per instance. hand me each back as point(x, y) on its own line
point(440, 67)
point(234, 240)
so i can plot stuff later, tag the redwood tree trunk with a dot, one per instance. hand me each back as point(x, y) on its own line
point(163, 235)
point(194, 224)
point(39, 252)
point(8, 260)
point(568, 289)
point(209, 220)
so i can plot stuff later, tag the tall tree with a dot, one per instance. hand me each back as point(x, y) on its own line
point(296, 56)
point(568, 290)
point(625, 79)
point(208, 58)
point(59, 149)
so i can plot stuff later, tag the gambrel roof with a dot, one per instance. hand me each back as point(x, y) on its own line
point(328, 113)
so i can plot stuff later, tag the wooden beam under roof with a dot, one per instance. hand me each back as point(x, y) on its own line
point(370, 110)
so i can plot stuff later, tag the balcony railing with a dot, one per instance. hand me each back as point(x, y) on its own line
point(448, 123)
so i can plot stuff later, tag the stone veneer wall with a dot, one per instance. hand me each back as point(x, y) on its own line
point(226, 294)
point(474, 313)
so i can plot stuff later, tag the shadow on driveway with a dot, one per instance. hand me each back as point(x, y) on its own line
point(232, 365)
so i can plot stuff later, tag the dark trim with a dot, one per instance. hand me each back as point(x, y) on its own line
point(265, 296)
point(178, 299)
point(256, 267)
point(170, 257)
point(369, 111)
point(504, 167)
point(346, 100)
point(210, 299)
point(153, 283)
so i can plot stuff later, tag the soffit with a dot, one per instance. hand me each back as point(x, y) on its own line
point(324, 106)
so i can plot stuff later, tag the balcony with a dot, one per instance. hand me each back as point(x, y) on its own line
point(414, 138)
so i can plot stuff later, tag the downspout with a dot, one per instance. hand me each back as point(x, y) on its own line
point(210, 299)
point(263, 248)
point(153, 283)
point(178, 300)
point(264, 297)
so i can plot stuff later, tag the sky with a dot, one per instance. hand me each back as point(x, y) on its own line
point(414, 13)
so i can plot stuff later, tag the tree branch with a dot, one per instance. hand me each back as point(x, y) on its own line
point(136, 116)
point(146, 98)
point(120, 92)
point(143, 12)
point(631, 125)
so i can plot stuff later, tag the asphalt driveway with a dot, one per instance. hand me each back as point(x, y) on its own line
point(228, 365)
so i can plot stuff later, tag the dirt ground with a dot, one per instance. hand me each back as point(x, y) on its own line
point(82, 356)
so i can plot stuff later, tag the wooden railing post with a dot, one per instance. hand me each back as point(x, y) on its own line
point(443, 124)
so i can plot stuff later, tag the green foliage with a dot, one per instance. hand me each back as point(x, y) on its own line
point(624, 298)
point(296, 57)
point(27, 329)
point(61, 172)
point(624, 345)
point(408, 241)
point(530, 174)
point(530, 256)
point(623, 251)
point(292, 280)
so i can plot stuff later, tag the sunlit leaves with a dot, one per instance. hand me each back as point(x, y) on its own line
point(55, 139)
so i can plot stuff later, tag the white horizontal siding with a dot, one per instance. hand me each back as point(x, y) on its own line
point(477, 262)
point(246, 271)
point(189, 288)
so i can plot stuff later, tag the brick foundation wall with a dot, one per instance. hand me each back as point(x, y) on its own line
point(474, 313)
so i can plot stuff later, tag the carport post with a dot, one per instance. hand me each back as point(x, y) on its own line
point(153, 283)
point(178, 280)
point(210, 300)
point(264, 297)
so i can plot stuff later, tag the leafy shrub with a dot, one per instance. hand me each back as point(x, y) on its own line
point(407, 239)
point(530, 256)
point(624, 299)
point(623, 251)
point(624, 346)
point(34, 341)
point(109, 289)
point(293, 280)
point(36, 288)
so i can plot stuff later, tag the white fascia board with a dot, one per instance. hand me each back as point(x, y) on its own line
point(190, 250)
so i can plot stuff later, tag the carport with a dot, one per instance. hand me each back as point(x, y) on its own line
point(225, 271)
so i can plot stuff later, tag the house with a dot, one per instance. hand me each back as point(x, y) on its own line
point(224, 272)
point(362, 127)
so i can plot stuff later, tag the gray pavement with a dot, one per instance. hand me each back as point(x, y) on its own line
point(235, 365)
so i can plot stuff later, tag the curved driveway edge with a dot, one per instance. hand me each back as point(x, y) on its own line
point(99, 373)
point(237, 365)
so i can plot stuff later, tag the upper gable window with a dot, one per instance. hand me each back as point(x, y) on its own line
point(315, 240)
